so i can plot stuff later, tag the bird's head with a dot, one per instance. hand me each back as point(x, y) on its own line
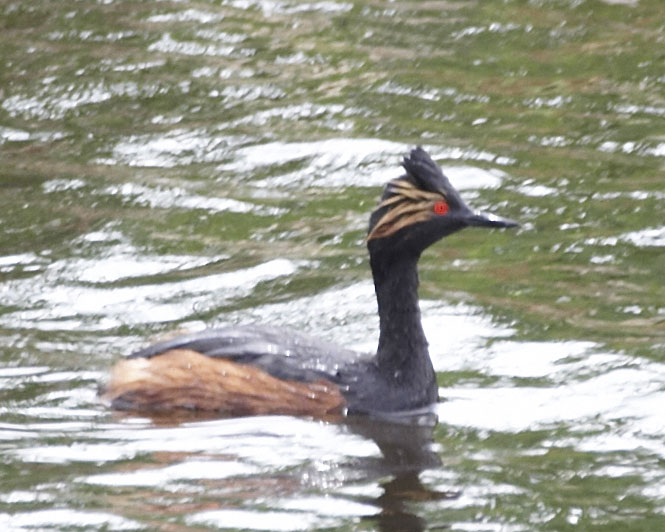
point(420, 208)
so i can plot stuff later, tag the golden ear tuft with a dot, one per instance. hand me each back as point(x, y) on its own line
point(406, 206)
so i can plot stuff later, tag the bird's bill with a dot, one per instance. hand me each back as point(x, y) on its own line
point(482, 219)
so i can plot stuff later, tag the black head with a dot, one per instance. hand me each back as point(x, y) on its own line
point(420, 208)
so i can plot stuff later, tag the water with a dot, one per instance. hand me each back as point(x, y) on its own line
point(171, 166)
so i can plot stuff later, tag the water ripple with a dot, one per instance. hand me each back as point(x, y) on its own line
point(169, 45)
point(66, 518)
point(188, 15)
point(173, 148)
point(48, 305)
point(352, 162)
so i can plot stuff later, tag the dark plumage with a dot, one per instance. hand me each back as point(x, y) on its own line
point(265, 370)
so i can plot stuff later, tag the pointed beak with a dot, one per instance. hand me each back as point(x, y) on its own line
point(481, 219)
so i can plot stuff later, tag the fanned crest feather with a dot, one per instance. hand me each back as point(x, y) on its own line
point(409, 199)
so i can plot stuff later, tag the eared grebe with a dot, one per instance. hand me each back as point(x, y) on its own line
point(252, 370)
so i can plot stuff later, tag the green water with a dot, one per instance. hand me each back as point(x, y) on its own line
point(172, 165)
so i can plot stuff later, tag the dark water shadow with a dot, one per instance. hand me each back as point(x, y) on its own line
point(406, 446)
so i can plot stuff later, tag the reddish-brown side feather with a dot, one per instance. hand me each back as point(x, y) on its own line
point(185, 379)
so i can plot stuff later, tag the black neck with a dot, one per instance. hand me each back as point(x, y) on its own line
point(402, 342)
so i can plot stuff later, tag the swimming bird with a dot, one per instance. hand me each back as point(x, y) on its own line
point(256, 369)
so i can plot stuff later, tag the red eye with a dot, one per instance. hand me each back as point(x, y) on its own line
point(441, 208)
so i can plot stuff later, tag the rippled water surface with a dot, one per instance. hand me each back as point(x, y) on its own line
point(167, 166)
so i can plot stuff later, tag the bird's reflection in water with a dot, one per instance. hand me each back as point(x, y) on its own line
point(406, 451)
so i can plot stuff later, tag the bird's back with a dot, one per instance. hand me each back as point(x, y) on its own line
point(234, 370)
